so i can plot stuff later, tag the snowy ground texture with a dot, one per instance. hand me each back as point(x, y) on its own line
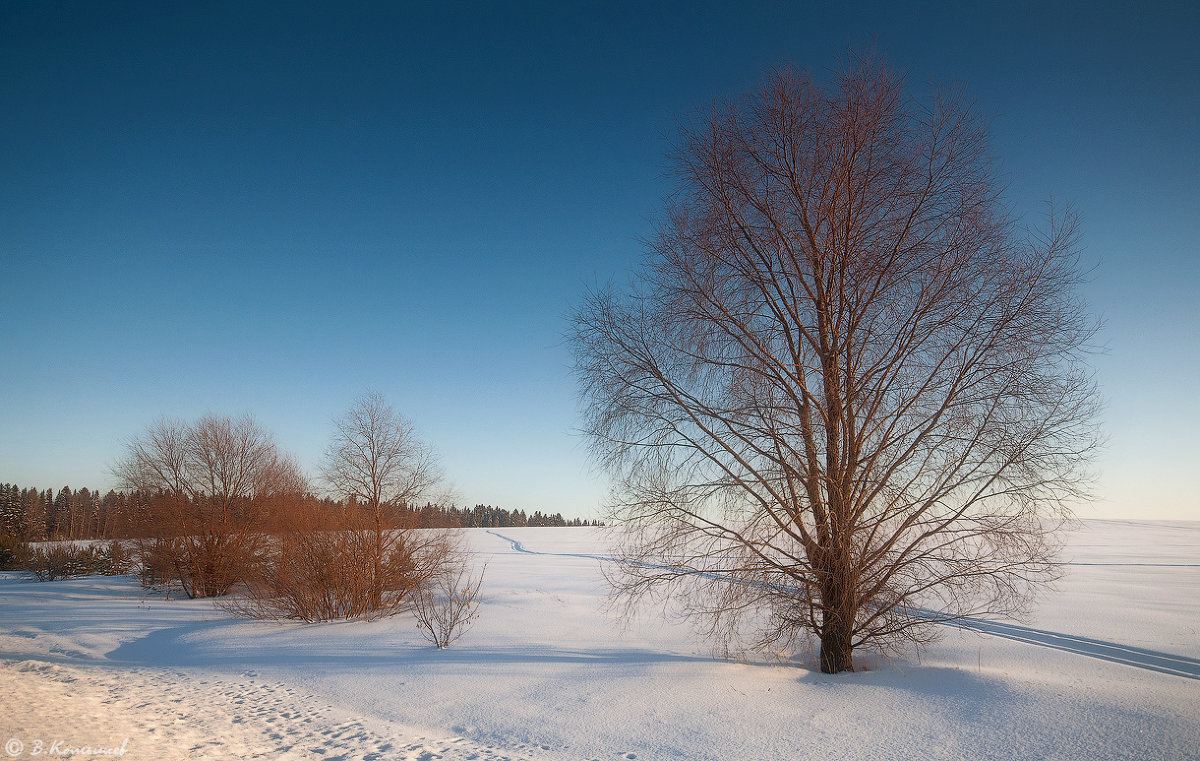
point(1109, 669)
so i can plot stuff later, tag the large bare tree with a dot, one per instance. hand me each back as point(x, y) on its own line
point(846, 394)
point(376, 460)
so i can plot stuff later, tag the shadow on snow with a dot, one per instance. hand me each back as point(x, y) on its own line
point(1150, 660)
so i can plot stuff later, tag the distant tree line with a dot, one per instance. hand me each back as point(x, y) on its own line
point(35, 515)
point(486, 516)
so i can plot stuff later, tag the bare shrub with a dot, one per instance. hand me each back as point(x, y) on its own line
point(322, 566)
point(154, 560)
point(201, 552)
point(447, 607)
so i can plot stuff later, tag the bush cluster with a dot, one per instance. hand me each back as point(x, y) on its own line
point(13, 553)
point(61, 561)
point(336, 565)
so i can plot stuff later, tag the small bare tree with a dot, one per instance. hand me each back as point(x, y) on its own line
point(377, 461)
point(846, 393)
point(448, 606)
point(208, 474)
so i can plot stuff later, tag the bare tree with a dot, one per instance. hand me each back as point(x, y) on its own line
point(377, 460)
point(210, 473)
point(846, 391)
point(448, 606)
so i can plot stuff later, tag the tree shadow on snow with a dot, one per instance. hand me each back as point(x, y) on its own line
point(227, 643)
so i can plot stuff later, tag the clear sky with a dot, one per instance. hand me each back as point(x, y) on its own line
point(271, 207)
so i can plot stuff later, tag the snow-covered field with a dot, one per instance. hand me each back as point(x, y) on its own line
point(1109, 669)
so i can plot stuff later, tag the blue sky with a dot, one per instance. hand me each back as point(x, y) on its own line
point(273, 207)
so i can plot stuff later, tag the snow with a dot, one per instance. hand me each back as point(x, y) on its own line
point(1108, 669)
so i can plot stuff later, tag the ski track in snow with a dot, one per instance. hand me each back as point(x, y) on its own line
point(1151, 660)
point(1113, 652)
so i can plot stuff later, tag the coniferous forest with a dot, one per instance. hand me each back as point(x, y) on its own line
point(34, 515)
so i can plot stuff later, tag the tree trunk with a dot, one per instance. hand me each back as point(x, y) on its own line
point(837, 621)
point(377, 580)
point(836, 652)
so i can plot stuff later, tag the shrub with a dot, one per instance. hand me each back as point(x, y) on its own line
point(14, 553)
point(118, 559)
point(327, 566)
point(447, 606)
point(154, 561)
point(202, 553)
point(209, 562)
point(61, 561)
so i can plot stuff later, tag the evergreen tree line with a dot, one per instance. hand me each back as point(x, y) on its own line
point(35, 515)
point(486, 516)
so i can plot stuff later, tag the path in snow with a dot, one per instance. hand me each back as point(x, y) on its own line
point(1150, 660)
